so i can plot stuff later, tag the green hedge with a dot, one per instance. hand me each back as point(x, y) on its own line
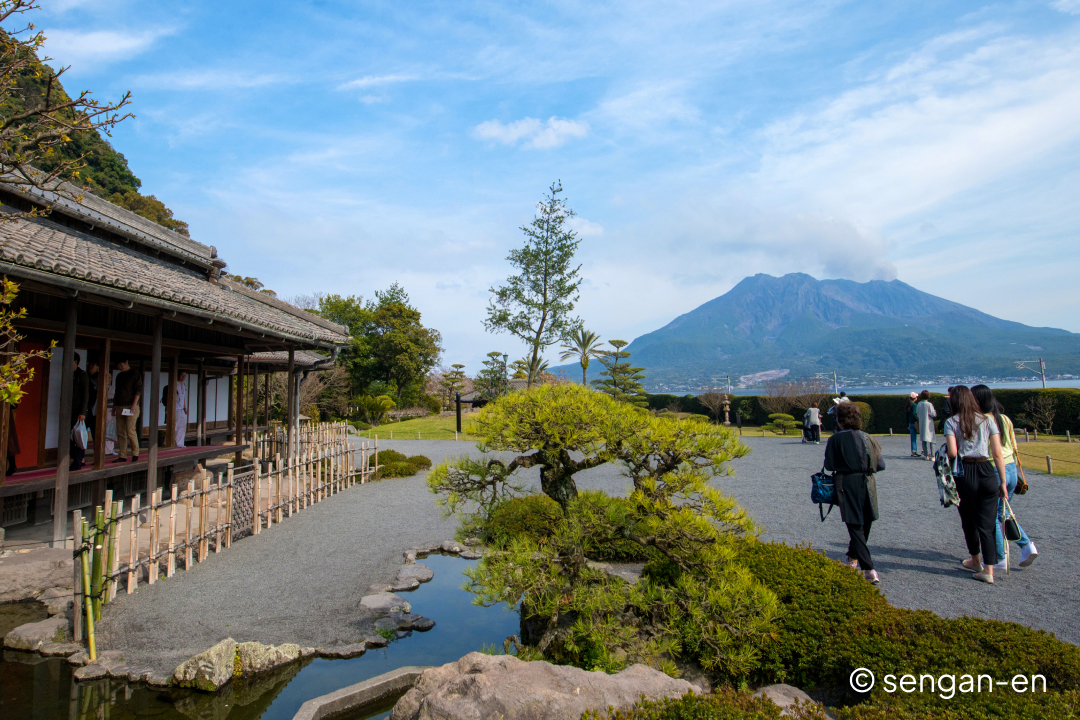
point(890, 411)
point(393, 464)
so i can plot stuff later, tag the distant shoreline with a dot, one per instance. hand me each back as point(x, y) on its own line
point(905, 389)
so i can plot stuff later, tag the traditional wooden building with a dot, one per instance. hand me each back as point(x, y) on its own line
point(104, 282)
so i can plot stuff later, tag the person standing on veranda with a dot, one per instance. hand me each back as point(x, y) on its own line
point(975, 439)
point(926, 414)
point(180, 411)
point(80, 396)
point(128, 393)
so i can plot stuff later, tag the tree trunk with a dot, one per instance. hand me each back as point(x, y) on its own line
point(558, 484)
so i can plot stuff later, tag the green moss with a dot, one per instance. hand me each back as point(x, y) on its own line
point(724, 704)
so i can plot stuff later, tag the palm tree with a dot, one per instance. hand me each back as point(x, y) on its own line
point(582, 345)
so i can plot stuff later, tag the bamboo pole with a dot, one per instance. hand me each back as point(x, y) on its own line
point(91, 641)
point(217, 517)
point(277, 492)
point(256, 485)
point(114, 566)
point(133, 548)
point(111, 532)
point(229, 507)
point(204, 520)
point(95, 580)
point(189, 495)
point(155, 508)
point(170, 563)
point(80, 598)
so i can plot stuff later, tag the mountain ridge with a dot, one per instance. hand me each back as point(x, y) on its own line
point(877, 328)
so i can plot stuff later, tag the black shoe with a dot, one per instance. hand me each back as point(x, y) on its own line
point(134, 458)
point(73, 467)
point(119, 460)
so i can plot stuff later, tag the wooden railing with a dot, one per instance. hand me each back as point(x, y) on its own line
point(115, 548)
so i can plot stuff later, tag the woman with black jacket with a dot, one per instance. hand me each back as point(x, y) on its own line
point(853, 457)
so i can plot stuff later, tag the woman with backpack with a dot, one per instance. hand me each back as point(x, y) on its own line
point(988, 404)
point(853, 457)
point(975, 439)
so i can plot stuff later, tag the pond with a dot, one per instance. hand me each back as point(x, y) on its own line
point(36, 688)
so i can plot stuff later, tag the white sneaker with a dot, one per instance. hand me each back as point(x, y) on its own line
point(1003, 565)
point(1028, 553)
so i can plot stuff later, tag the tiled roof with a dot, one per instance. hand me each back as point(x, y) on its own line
point(103, 213)
point(53, 249)
point(302, 358)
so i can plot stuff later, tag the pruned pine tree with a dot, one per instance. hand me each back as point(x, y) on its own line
point(536, 304)
point(581, 345)
point(490, 382)
point(619, 379)
point(452, 381)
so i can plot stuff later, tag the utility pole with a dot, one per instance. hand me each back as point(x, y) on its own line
point(835, 384)
point(1041, 372)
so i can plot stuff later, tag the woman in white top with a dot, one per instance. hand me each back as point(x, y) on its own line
point(976, 440)
point(813, 420)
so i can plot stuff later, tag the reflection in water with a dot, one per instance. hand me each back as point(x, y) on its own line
point(37, 688)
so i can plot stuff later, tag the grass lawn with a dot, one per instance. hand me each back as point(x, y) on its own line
point(429, 428)
point(1066, 456)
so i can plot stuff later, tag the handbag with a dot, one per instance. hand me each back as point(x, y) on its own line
point(946, 482)
point(1009, 526)
point(79, 435)
point(823, 491)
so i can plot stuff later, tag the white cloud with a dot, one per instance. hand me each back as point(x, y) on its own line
point(372, 99)
point(97, 47)
point(1067, 6)
point(585, 228)
point(208, 79)
point(536, 133)
point(376, 80)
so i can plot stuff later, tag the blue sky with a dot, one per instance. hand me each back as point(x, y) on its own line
point(341, 146)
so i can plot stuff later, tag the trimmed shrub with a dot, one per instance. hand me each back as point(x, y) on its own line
point(835, 622)
point(532, 516)
point(393, 464)
point(724, 704)
point(360, 426)
point(867, 415)
point(780, 423)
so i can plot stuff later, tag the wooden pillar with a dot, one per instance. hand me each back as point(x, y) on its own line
point(63, 435)
point(200, 412)
point(254, 397)
point(290, 400)
point(238, 405)
point(152, 423)
point(266, 398)
point(231, 412)
point(102, 410)
point(170, 403)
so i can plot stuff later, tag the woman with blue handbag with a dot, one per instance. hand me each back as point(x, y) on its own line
point(853, 457)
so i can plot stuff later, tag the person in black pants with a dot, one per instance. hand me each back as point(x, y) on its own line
point(976, 439)
point(854, 457)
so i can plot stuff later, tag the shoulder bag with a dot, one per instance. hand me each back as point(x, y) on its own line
point(1010, 527)
point(823, 491)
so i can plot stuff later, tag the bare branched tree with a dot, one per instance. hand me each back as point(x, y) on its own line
point(714, 403)
point(1039, 413)
point(778, 398)
point(808, 391)
point(32, 128)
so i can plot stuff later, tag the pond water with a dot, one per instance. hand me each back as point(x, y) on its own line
point(36, 688)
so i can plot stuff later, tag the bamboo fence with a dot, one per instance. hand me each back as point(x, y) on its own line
point(116, 549)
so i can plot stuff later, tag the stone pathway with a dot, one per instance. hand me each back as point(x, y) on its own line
point(301, 582)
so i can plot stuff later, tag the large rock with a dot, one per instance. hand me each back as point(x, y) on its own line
point(34, 636)
point(784, 696)
point(417, 571)
point(486, 686)
point(26, 575)
point(256, 658)
point(208, 670)
point(386, 603)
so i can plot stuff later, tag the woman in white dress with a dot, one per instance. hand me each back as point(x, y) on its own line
point(927, 414)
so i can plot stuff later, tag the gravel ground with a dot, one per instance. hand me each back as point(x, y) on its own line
point(302, 581)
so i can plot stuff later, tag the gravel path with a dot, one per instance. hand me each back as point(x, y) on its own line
point(302, 581)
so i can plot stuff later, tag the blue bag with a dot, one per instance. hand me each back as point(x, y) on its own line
point(823, 492)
